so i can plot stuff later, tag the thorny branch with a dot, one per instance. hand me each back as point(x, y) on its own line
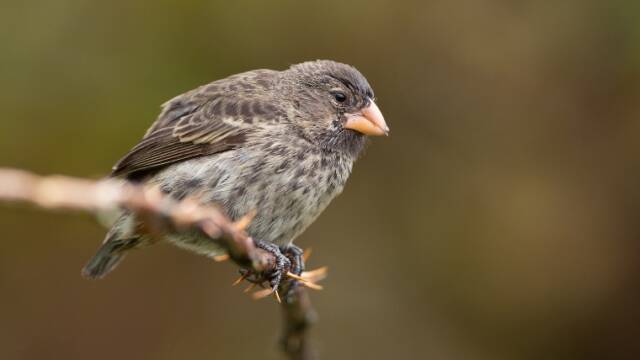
point(160, 214)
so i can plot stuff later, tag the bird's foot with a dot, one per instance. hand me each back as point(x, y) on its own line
point(289, 272)
point(296, 257)
point(273, 276)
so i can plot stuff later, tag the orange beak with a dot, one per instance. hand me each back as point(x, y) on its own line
point(369, 121)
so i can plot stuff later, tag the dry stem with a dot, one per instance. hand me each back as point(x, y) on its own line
point(160, 214)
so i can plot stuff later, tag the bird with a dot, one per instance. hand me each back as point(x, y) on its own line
point(281, 144)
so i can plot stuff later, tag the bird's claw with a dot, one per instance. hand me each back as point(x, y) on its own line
point(296, 258)
point(289, 265)
point(283, 264)
point(274, 276)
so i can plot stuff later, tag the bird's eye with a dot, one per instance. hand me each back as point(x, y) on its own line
point(339, 96)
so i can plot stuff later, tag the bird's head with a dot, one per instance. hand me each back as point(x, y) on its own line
point(334, 105)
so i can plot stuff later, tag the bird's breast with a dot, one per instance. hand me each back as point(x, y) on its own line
point(290, 189)
point(287, 184)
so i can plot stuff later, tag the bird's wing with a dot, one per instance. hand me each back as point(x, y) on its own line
point(208, 120)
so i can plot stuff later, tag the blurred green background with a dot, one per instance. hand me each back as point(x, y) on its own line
point(499, 221)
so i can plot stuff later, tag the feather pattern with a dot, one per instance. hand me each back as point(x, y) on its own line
point(210, 119)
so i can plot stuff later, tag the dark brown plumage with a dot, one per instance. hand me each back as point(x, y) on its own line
point(281, 143)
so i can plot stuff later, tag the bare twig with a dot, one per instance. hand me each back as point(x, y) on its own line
point(298, 316)
point(160, 214)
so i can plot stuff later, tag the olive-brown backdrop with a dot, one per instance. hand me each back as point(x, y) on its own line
point(499, 221)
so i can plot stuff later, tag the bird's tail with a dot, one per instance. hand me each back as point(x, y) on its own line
point(109, 255)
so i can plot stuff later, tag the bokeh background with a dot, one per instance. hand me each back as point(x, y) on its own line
point(499, 221)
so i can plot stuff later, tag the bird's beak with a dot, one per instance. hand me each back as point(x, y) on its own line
point(369, 121)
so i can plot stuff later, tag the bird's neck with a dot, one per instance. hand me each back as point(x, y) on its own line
point(347, 143)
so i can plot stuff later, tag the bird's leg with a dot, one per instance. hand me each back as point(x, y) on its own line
point(290, 265)
point(283, 264)
point(295, 256)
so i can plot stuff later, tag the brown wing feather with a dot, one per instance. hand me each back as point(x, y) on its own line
point(205, 121)
point(161, 149)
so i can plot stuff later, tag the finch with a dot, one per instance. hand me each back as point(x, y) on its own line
point(280, 143)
